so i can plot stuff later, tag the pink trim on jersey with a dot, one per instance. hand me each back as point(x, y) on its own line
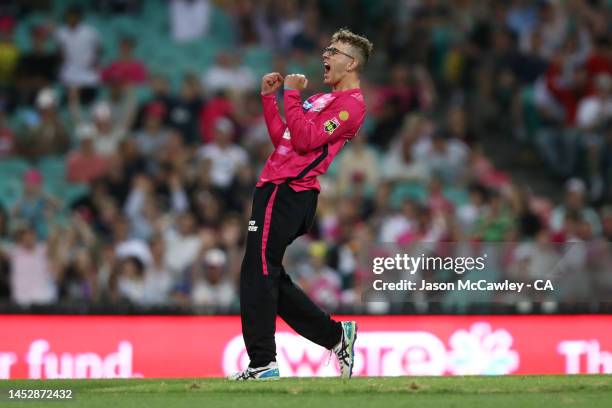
point(266, 230)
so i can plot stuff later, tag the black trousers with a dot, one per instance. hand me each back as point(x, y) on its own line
point(279, 215)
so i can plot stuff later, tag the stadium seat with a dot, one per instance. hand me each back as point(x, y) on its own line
point(53, 167)
point(457, 195)
point(258, 59)
point(403, 191)
point(13, 167)
point(143, 93)
point(11, 189)
point(66, 192)
point(221, 27)
point(332, 171)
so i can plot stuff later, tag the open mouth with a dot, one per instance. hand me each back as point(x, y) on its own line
point(326, 66)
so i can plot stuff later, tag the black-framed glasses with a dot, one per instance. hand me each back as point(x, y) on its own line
point(334, 51)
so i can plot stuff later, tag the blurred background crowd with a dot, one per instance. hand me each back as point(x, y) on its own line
point(131, 138)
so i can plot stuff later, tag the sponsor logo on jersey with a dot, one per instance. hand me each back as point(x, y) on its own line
point(343, 115)
point(321, 102)
point(331, 125)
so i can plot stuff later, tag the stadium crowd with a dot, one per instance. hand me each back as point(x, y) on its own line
point(133, 185)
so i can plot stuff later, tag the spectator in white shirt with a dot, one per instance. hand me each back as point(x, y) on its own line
point(130, 280)
point(291, 23)
point(468, 213)
point(108, 137)
point(32, 278)
point(158, 279)
point(228, 74)
point(402, 165)
point(211, 284)
point(596, 109)
point(575, 201)
point(80, 46)
point(225, 157)
point(355, 157)
point(134, 259)
point(399, 223)
point(445, 156)
point(189, 19)
point(183, 243)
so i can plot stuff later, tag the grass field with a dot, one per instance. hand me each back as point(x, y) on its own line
point(498, 392)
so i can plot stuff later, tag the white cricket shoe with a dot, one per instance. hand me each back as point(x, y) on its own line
point(269, 372)
point(345, 349)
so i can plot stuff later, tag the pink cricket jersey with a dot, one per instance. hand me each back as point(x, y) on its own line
point(315, 132)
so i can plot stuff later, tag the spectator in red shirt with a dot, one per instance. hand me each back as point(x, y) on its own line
point(600, 60)
point(218, 107)
point(126, 69)
point(567, 81)
point(84, 164)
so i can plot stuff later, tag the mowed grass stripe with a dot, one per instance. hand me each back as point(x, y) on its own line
point(390, 392)
point(333, 386)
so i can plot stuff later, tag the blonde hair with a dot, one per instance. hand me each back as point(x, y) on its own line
point(363, 46)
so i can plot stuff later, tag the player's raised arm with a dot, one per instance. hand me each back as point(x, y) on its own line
point(270, 83)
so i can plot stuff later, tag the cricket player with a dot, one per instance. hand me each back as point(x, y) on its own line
point(285, 202)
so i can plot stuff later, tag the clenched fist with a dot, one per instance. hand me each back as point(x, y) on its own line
point(296, 81)
point(271, 82)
